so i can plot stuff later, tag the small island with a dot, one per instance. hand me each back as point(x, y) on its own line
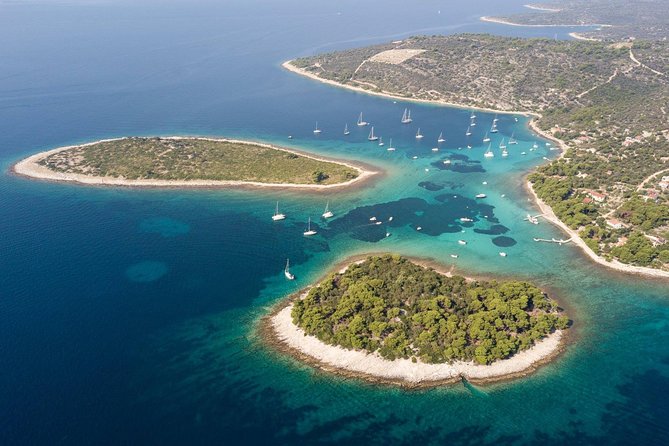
point(188, 162)
point(389, 319)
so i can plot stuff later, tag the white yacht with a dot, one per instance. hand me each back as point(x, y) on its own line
point(512, 140)
point(277, 215)
point(488, 153)
point(462, 242)
point(371, 136)
point(481, 195)
point(406, 117)
point(327, 213)
point(309, 231)
point(286, 271)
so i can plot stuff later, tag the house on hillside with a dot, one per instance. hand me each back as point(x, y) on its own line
point(615, 223)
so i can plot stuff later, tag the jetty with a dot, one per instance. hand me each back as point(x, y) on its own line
point(553, 240)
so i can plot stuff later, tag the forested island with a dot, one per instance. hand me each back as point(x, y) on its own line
point(605, 102)
point(389, 317)
point(180, 161)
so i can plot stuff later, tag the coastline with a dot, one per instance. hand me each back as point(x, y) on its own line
point(278, 331)
point(502, 21)
point(550, 216)
point(29, 167)
point(577, 36)
point(290, 67)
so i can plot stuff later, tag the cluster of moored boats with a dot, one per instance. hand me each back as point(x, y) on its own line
point(407, 119)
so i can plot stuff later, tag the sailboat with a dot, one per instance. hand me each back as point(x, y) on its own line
point(486, 138)
point(441, 137)
point(309, 231)
point(502, 145)
point(493, 129)
point(361, 123)
point(406, 117)
point(535, 146)
point(488, 153)
point(317, 130)
point(494, 121)
point(418, 135)
point(381, 144)
point(512, 140)
point(286, 271)
point(469, 131)
point(278, 216)
point(346, 131)
point(327, 213)
point(371, 136)
point(472, 120)
point(390, 146)
point(472, 116)
point(505, 153)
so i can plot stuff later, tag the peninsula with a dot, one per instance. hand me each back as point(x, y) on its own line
point(611, 20)
point(603, 103)
point(389, 319)
point(189, 162)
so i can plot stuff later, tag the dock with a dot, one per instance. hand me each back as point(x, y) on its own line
point(553, 240)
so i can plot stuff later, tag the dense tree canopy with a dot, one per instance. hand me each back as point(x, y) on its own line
point(402, 310)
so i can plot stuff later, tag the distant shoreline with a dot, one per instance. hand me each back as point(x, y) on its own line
point(30, 168)
point(278, 330)
point(542, 8)
point(290, 67)
point(502, 21)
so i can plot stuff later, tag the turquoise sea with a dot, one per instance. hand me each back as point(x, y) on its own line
point(128, 316)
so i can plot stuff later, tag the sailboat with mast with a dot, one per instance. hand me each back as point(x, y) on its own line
point(371, 136)
point(406, 117)
point(390, 146)
point(327, 213)
point(286, 271)
point(361, 122)
point(418, 134)
point(488, 153)
point(486, 138)
point(277, 215)
point(441, 137)
point(469, 131)
point(512, 140)
point(381, 144)
point(346, 130)
point(502, 145)
point(317, 130)
point(309, 231)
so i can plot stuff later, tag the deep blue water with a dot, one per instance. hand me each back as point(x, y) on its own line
point(128, 316)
